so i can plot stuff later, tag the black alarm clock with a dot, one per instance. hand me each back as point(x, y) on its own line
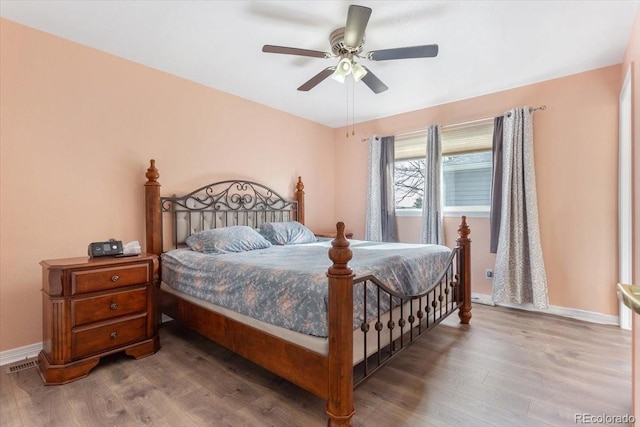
point(111, 248)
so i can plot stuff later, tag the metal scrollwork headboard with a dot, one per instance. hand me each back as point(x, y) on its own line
point(221, 204)
point(226, 203)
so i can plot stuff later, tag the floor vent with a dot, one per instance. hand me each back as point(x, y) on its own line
point(22, 365)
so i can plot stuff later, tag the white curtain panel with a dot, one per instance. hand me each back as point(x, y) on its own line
point(373, 220)
point(431, 228)
point(519, 275)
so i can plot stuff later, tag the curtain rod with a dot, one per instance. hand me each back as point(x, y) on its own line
point(508, 113)
point(531, 109)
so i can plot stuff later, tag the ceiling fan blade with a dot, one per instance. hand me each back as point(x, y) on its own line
point(374, 83)
point(424, 51)
point(295, 51)
point(315, 80)
point(357, 19)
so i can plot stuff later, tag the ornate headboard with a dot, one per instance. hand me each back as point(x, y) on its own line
point(221, 204)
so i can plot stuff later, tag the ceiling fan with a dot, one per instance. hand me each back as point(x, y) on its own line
point(347, 44)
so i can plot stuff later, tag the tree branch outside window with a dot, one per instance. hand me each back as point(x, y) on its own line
point(409, 183)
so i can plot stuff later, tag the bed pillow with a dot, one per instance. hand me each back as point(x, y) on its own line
point(236, 238)
point(287, 233)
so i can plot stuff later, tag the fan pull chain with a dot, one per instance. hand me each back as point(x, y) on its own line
point(353, 109)
point(347, 110)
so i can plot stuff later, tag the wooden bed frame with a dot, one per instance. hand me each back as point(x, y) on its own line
point(328, 377)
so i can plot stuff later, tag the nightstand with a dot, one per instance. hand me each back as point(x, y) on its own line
point(93, 307)
point(332, 234)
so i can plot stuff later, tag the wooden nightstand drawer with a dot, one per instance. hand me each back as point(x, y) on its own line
point(96, 340)
point(85, 281)
point(95, 309)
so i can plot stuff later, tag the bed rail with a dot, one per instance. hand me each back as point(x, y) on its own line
point(410, 316)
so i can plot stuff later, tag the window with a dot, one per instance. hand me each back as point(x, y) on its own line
point(467, 181)
point(466, 168)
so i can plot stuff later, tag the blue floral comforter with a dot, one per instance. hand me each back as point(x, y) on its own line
point(287, 285)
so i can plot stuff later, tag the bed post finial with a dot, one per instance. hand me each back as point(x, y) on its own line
point(340, 253)
point(152, 174)
point(300, 199)
point(463, 229)
point(340, 376)
point(464, 265)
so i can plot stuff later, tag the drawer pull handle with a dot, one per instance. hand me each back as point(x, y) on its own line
point(114, 335)
point(113, 306)
point(115, 278)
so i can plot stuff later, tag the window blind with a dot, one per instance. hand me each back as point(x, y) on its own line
point(411, 146)
point(456, 139)
point(467, 137)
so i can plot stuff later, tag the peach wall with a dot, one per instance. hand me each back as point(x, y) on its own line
point(78, 128)
point(632, 61)
point(576, 168)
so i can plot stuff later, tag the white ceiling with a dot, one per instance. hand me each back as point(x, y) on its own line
point(485, 46)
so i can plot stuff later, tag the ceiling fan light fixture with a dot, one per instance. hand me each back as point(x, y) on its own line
point(358, 71)
point(343, 69)
point(337, 76)
point(345, 66)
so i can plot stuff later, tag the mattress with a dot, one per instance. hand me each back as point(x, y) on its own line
point(286, 286)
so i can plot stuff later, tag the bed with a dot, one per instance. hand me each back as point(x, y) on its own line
point(357, 312)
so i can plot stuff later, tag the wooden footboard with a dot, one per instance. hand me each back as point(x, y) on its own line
point(329, 377)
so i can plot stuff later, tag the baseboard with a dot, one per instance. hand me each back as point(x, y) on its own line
point(574, 313)
point(482, 299)
point(20, 353)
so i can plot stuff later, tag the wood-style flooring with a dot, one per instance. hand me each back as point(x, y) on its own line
point(508, 368)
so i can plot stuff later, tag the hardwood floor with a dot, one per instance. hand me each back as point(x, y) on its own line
point(508, 368)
